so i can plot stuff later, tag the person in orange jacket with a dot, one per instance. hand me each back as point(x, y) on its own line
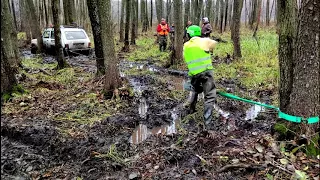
point(163, 31)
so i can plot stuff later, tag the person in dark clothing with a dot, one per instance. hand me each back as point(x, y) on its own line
point(185, 37)
point(171, 32)
point(206, 28)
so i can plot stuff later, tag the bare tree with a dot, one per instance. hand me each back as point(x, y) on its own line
point(159, 8)
point(69, 11)
point(226, 14)
point(112, 77)
point(178, 39)
point(187, 11)
point(221, 15)
point(133, 22)
point(121, 32)
point(151, 12)
point(305, 94)
point(217, 7)
point(267, 13)
point(8, 49)
point(57, 36)
point(97, 38)
point(35, 28)
point(235, 30)
point(127, 27)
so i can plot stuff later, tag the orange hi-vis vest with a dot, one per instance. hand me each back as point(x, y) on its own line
point(164, 32)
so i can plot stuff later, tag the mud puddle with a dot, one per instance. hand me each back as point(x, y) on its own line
point(142, 132)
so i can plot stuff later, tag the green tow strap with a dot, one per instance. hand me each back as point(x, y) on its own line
point(281, 115)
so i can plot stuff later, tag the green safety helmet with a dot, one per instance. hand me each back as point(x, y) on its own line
point(194, 31)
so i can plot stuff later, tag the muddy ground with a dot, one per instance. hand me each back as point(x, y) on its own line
point(148, 135)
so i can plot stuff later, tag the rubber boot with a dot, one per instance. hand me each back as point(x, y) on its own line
point(207, 114)
point(192, 102)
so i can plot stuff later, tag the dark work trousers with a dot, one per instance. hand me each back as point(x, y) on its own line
point(204, 82)
point(162, 43)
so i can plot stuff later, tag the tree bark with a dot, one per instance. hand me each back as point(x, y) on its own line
point(35, 28)
point(221, 15)
point(151, 12)
point(69, 11)
point(230, 13)
point(57, 36)
point(235, 30)
point(159, 7)
point(178, 35)
point(121, 32)
point(112, 77)
point(217, 14)
point(209, 10)
point(187, 12)
point(8, 49)
point(226, 15)
point(305, 95)
point(287, 34)
point(133, 22)
point(127, 27)
point(46, 13)
point(267, 13)
point(14, 15)
point(96, 31)
point(254, 13)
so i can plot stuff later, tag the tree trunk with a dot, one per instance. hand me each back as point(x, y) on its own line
point(151, 12)
point(112, 77)
point(217, 14)
point(69, 11)
point(8, 49)
point(127, 27)
point(198, 17)
point(121, 32)
point(187, 11)
point(287, 27)
point(254, 13)
point(209, 10)
point(9, 36)
point(65, 11)
point(267, 13)
point(142, 15)
point(57, 35)
point(305, 94)
point(137, 19)
point(221, 15)
point(35, 28)
point(147, 18)
point(230, 13)
point(235, 30)
point(96, 31)
point(14, 14)
point(159, 7)
point(178, 35)
point(46, 13)
point(133, 22)
point(226, 15)
point(144, 19)
point(169, 5)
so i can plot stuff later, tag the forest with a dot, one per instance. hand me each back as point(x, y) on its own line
point(160, 89)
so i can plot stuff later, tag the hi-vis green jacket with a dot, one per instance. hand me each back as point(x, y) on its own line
point(196, 54)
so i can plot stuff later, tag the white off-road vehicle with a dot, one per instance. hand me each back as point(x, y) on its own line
point(73, 40)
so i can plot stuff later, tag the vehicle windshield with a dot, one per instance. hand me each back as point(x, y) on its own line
point(71, 35)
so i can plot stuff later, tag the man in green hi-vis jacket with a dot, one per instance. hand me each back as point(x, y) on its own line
point(197, 56)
